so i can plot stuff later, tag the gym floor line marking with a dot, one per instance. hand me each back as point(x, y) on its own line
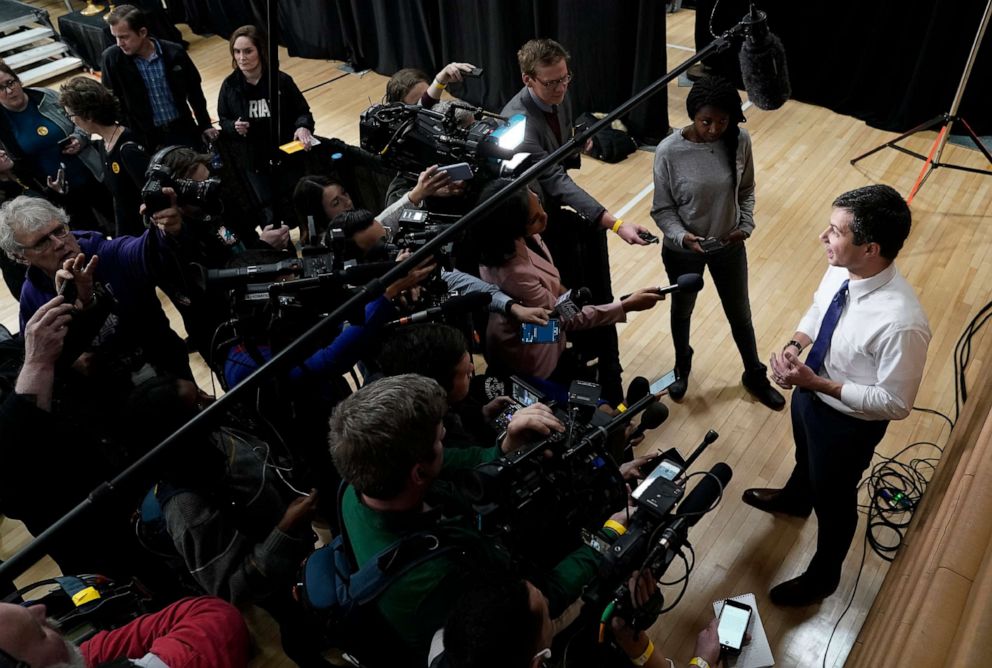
point(637, 198)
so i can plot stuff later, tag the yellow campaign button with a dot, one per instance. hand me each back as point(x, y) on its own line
point(115, 167)
point(42, 130)
point(84, 596)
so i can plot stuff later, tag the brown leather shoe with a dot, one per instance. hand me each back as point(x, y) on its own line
point(774, 501)
point(801, 591)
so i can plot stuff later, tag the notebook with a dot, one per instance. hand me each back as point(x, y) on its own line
point(757, 653)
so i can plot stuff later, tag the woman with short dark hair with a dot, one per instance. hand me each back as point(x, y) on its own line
point(96, 111)
point(704, 205)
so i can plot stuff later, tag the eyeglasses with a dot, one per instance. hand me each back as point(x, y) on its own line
point(43, 244)
point(9, 85)
point(564, 81)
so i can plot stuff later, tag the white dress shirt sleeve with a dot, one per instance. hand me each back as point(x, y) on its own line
point(901, 357)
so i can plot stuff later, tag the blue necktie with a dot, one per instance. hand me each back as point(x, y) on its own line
point(819, 350)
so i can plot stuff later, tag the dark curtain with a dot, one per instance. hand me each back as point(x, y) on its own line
point(893, 63)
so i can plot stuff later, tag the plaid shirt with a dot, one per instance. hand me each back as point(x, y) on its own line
point(153, 72)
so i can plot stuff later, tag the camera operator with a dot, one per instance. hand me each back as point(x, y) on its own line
point(410, 85)
point(386, 441)
point(504, 623)
point(441, 353)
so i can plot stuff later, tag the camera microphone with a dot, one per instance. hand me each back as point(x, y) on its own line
point(702, 497)
point(763, 65)
point(654, 416)
point(637, 390)
point(467, 302)
point(684, 283)
point(570, 303)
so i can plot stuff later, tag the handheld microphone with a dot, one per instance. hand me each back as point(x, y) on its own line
point(256, 272)
point(763, 65)
point(707, 439)
point(637, 390)
point(685, 283)
point(467, 302)
point(570, 303)
point(654, 416)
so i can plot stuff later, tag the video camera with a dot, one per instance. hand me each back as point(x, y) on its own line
point(537, 499)
point(159, 175)
point(411, 138)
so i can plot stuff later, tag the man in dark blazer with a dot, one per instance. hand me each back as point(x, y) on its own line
point(156, 82)
point(577, 240)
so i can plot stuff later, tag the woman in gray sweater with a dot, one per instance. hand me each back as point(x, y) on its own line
point(704, 205)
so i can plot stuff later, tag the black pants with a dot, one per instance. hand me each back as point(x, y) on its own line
point(832, 452)
point(728, 269)
point(580, 253)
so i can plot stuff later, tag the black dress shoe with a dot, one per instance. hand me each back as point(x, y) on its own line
point(683, 366)
point(800, 591)
point(774, 501)
point(757, 384)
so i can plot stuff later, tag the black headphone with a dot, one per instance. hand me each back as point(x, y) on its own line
point(157, 162)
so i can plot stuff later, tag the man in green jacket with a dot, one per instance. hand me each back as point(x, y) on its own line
point(386, 443)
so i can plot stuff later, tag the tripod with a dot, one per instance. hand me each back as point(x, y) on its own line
point(946, 121)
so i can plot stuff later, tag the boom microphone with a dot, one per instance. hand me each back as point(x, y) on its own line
point(685, 283)
point(467, 302)
point(763, 66)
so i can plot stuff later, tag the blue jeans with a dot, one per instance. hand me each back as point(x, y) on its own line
point(728, 270)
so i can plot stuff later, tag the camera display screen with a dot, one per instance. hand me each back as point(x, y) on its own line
point(733, 625)
point(523, 395)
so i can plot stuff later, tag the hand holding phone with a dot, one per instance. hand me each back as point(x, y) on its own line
point(648, 237)
point(662, 384)
point(459, 171)
point(549, 333)
point(710, 245)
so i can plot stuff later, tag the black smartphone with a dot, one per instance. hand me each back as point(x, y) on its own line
point(734, 619)
point(549, 333)
point(475, 73)
point(69, 292)
point(710, 245)
point(648, 237)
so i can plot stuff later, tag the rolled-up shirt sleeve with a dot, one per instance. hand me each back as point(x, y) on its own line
point(901, 357)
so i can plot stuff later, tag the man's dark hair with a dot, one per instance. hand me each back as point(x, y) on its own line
point(879, 215)
point(499, 227)
point(540, 52)
point(493, 626)
point(400, 84)
point(428, 349)
point(129, 14)
point(90, 100)
point(182, 161)
point(383, 430)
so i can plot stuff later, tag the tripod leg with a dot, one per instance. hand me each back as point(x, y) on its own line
point(943, 118)
point(928, 164)
point(978, 142)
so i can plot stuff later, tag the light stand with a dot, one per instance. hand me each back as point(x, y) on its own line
point(946, 121)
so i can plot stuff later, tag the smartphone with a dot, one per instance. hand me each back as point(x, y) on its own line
point(662, 383)
point(734, 619)
point(710, 245)
point(648, 237)
point(69, 292)
point(666, 469)
point(549, 333)
point(65, 141)
point(475, 73)
point(460, 171)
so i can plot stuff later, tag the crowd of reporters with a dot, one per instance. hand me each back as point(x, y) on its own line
point(162, 200)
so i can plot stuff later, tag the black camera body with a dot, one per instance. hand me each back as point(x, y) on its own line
point(411, 138)
point(159, 175)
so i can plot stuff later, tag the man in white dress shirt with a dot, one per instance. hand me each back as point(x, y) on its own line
point(867, 337)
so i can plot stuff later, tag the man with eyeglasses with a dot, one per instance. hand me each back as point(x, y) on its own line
point(577, 243)
point(120, 336)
